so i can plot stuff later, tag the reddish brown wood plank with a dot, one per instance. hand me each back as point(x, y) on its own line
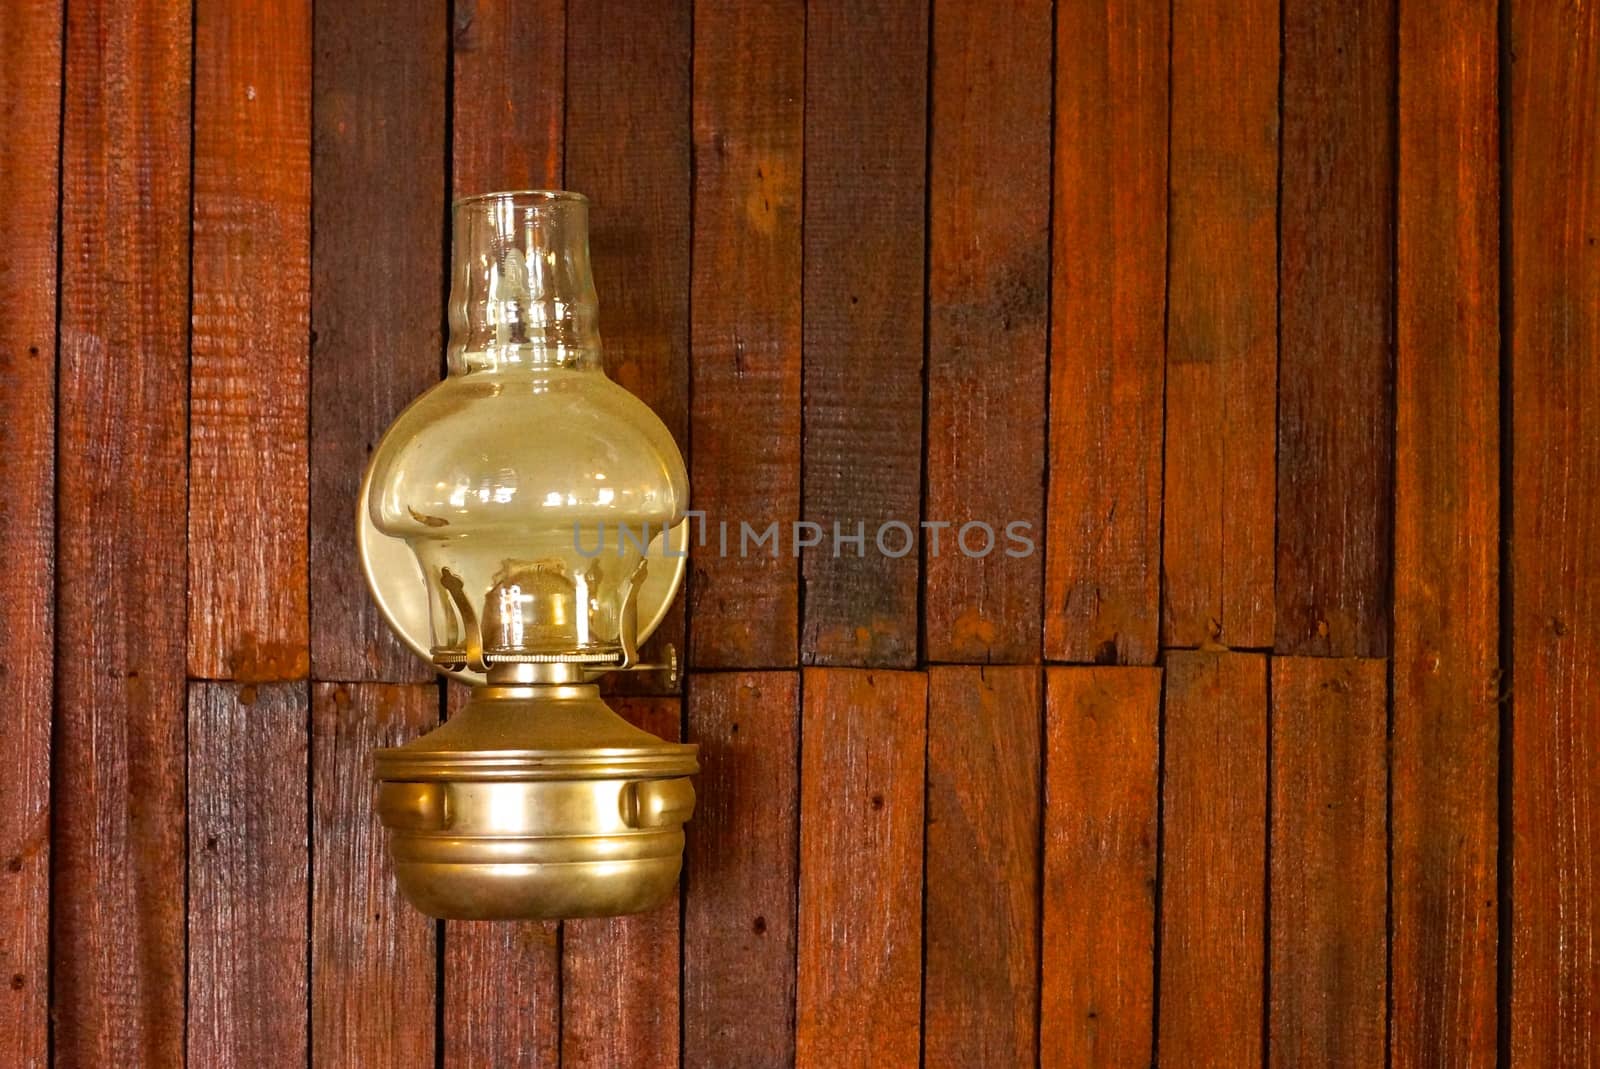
point(739, 909)
point(248, 875)
point(502, 993)
point(1214, 813)
point(510, 95)
point(30, 95)
point(490, 965)
point(866, 120)
point(1336, 280)
point(749, 72)
point(377, 284)
point(1555, 456)
point(373, 958)
point(988, 323)
point(1446, 572)
point(1329, 854)
point(861, 839)
point(117, 865)
point(1217, 548)
point(981, 977)
point(1108, 345)
point(619, 975)
point(628, 151)
point(250, 313)
point(1102, 753)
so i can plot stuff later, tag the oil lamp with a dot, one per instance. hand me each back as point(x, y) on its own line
point(521, 526)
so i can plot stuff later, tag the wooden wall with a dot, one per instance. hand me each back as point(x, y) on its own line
point(1279, 320)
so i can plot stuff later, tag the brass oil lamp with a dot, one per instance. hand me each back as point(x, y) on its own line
point(521, 526)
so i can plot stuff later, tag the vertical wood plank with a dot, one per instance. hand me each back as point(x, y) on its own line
point(619, 975)
point(1329, 862)
point(502, 993)
point(1447, 503)
point(377, 283)
point(1214, 811)
point(865, 136)
point(509, 125)
point(510, 95)
point(30, 155)
point(1554, 232)
point(1336, 279)
point(249, 349)
point(248, 876)
point(739, 911)
point(861, 840)
point(1107, 336)
point(749, 75)
point(988, 324)
point(628, 151)
point(1222, 325)
point(117, 865)
point(373, 959)
point(489, 965)
point(1101, 787)
point(981, 976)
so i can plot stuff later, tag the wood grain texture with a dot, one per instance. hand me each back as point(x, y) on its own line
point(865, 136)
point(739, 907)
point(117, 862)
point(30, 95)
point(1102, 760)
point(377, 284)
point(502, 993)
point(988, 327)
point(1329, 869)
point(1554, 190)
point(373, 956)
point(248, 385)
point(1446, 562)
point(749, 75)
point(1335, 369)
point(619, 975)
point(488, 966)
point(628, 151)
point(981, 913)
point(864, 736)
point(1214, 814)
point(249, 972)
point(1107, 336)
point(1217, 551)
point(509, 95)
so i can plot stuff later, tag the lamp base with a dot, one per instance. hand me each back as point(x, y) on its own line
point(536, 803)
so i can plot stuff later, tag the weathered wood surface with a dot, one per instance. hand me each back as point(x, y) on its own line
point(31, 99)
point(248, 345)
point(864, 228)
point(863, 739)
point(117, 833)
point(249, 875)
point(1446, 738)
point(1102, 595)
point(980, 999)
point(1554, 236)
point(988, 325)
point(749, 75)
point(1222, 339)
point(1102, 792)
point(740, 904)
